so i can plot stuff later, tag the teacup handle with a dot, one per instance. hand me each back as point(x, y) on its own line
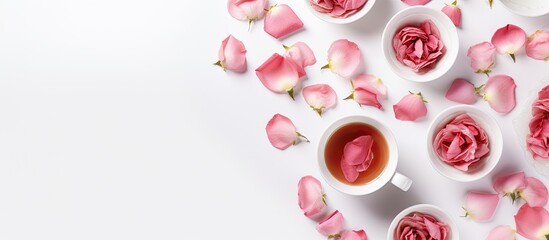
point(401, 181)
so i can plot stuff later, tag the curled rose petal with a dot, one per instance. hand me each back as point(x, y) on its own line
point(365, 90)
point(510, 185)
point(278, 74)
point(415, 2)
point(310, 196)
point(249, 10)
point(502, 232)
point(320, 97)
point(509, 39)
point(462, 91)
point(357, 157)
point(499, 92)
point(420, 226)
point(535, 193)
point(331, 225)
point(410, 107)
point(281, 21)
point(537, 45)
point(344, 58)
point(480, 207)
point(419, 47)
point(482, 57)
point(282, 132)
point(301, 55)
point(538, 137)
point(453, 12)
point(232, 55)
point(337, 8)
point(532, 222)
point(353, 235)
point(371, 83)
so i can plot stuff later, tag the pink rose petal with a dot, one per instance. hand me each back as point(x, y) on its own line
point(353, 235)
point(281, 132)
point(357, 157)
point(535, 193)
point(331, 225)
point(499, 92)
point(480, 207)
point(281, 21)
point(410, 107)
point(320, 97)
point(453, 12)
point(415, 2)
point(537, 46)
point(482, 57)
point(365, 97)
point(344, 58)
point(249, 10)
point(310, 196)
point(462, 91)
point(510, 184)
point(371, 83)
point(278, 74)
point(509, 39)
point(502, 232)
point(232, 55)
point(532, 222)
point(301, 55)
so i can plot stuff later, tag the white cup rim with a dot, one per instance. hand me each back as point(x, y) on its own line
point(430, 209)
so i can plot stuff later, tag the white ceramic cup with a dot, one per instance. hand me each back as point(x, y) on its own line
point(528, 8)
point(486, 122)
point(426, 209)
point(327, 18)
point(388, 173)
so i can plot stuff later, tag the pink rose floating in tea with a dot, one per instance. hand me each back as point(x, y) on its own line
point(420, 226)
point(338, 8)
point(419, 47)
point(461, 143)
point(357, 157)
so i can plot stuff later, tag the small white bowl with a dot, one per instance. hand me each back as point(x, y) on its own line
point(528, 8)
point(486, 122)
point(327, 18)
point(414, 16)
point(426, 209)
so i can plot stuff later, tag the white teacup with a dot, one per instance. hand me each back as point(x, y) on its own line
point(429, 209)
point(388, 172)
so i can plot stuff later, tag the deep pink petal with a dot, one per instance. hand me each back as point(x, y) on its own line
point(344, 58)
point(330, 225)
point(323, 6)
point(281, 21)
point(481, 206)
point(415, 2)
point(247, 9)
point(278, 74)
point(532, 222)
point(365, 97)
point(358, 151)
point(301, 55)
point(353, 235)
point(310, 195)
point(499, 92)
point(535, 193)
point(537, 45)
point(232, 54)
point(320, 96)
point(482, 57)
point(509, 39)
point(454, 13)
point(281, 132)
point(502, 232)
point(371, 83)
point(362, 234)
point(462, 91)
point(511, 183)
point(410, 108)
point(349, 171)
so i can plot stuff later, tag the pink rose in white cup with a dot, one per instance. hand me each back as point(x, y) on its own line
point(420, 226)
point(338, 8)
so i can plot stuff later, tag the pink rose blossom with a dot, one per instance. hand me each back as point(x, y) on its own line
point(502, 232)
point(415, 2)
point(509, 39)
point(344, 58)
point(320, 97)
point(310, 196)
point(410, 107)
point(535, 193)
point(538, 138)
point(482, 57)
point(232, 55)
point(462, 91)
point(279, 74)
point(357, 157)
point(282, 133)
point(419, 48)
point(331, 225)
point(499, 92)
point(338, 8)
point(461, 143)
point(421, 226)
point(301, 55)
point(281, 21)
point(532, 222)
point(453, 12)
point(247, 10)
point(479, 206)
point(537, 45)
point(353, 235)
point(366, 90)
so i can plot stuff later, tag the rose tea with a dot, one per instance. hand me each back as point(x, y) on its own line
point(333, 152)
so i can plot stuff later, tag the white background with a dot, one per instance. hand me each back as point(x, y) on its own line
point(114, 124)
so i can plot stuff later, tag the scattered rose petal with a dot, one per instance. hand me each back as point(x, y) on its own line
point(462, 91)
point(482, 57)
point(281, 21)
point(480, 207)
point(232, 55)
point(532, 222)
point(453, 12)
point(502, 232)
point(320, 97)
point(278, 74)
point(357, 157)
point(499, 92)
point(353, 235)
point(331, 225)
point(310, 196)
point(410, 107)
point(301, 55)
point(415, 2)
point(247, 10)
point(535, 193)
point(509, 39)
point(282, 132)
point(371, 83)
point(344, 58)
point(537, 45)
point(510, 185)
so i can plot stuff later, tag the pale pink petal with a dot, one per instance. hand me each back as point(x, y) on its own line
point(248, 10)
point(509, 39)
point(482, 57)
point(281, 132)
point(415, 2)
point(278, 74)
point(537, 46)
point(462, 91)
point(310, 195)
point(365, 97)
point(353, 235)
point(344, 58)
point(535, 193)
point(454, 13)
point(480, 207)
point(320, 97)
point(502, 232)
point(499, 92)
point(301, 55)
point(410, 107)
point(532, 222)
point(232, 55)
point(331, 225)
point(371, 83)
point(281, 21)
point(509, 184)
